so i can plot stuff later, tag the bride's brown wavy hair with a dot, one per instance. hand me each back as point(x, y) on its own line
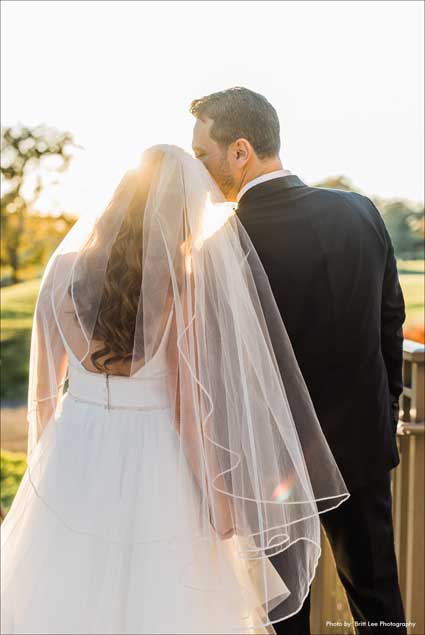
point(116, 314)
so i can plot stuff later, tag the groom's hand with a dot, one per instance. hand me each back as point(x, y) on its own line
point(221, 520)
point(395, 409)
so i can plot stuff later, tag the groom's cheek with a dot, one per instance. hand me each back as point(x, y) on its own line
point(208, 165)
point(213, 167)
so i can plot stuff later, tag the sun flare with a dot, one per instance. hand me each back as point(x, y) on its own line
point(214, 217)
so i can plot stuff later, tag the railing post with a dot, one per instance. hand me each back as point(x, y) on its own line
point(413, 395)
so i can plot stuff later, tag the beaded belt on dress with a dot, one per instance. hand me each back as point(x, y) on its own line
point(134, 393)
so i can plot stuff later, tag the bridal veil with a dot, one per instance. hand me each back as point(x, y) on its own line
point(244, 420)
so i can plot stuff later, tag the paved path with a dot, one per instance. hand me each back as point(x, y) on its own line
point(14, 428)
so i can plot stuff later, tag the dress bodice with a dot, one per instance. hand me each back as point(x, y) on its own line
point(146, 389)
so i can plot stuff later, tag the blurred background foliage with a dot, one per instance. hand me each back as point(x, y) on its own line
point(404, 219)
point(29, 158)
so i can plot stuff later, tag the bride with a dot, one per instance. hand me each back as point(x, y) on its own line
point(165, 464)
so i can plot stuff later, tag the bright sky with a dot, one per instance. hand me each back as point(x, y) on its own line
point(345, 77)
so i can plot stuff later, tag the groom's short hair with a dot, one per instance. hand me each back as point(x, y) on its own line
point(241, 113)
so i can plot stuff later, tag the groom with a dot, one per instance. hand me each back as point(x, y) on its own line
point(331, 266)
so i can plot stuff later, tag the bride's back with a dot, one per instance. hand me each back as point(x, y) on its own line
point(97, 296)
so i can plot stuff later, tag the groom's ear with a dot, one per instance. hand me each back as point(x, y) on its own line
point(240, 152)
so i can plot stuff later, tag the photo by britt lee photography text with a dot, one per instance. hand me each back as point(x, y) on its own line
point(338, 625)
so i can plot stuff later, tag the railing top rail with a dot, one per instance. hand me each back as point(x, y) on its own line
point(415, 429)
point(413, 351)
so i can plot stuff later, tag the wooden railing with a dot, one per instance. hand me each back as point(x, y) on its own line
point(328, 601)
point(408, 486)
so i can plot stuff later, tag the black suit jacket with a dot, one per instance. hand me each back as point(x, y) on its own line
point(331, 267)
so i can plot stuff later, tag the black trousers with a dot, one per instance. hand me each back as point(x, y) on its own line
point(360, 532)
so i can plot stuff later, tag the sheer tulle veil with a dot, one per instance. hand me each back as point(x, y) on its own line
point(246, 427)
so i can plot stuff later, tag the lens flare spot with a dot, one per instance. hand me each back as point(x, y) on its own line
point(283, 491)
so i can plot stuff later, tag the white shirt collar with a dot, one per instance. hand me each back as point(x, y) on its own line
point(261, 179)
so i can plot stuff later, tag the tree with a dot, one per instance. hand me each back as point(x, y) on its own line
point(404, 220)
point(26, 152)
point(340, 182)
point(405, 224)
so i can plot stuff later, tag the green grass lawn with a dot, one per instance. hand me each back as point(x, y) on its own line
point(413, 291)
point(17, 307)
point(412, 280)
point(12, 468)
point(411, 266)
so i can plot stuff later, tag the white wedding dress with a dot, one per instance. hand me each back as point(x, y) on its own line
point(74, 563)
